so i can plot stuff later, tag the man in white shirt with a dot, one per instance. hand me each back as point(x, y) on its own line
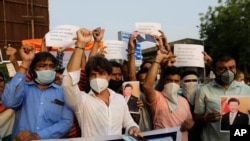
point(101, 111)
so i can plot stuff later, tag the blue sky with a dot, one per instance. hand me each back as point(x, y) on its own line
point(178, 18)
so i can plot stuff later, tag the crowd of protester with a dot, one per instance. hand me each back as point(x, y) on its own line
point(45, 100)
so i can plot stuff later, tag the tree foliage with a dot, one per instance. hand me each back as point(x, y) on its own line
point(226, 28)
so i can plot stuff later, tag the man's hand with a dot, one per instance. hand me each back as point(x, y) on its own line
point(164, 40)
point(207, 59)
point(102, 51)
point(83, 37)
point(131, 44)
point(27, 54)
point(135, 131)
point(10, 51)
point(212, 117)
point(98, 34)
point(161, 56)
point(25, 135)
point(187, 125)
point(140, 104)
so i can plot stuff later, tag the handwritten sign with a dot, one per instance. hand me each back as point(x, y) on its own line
point(61, 36)
point(148, 28)
point(115, 49)
point(189, 55)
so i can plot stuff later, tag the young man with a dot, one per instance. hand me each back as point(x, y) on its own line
point(116, 79)
point(40, 110)
point(207, 105)
point(168, 109)
point(101, 111)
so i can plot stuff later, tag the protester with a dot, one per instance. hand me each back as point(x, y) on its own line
point(240, 76)
point(101, 111)
point(168, 109)
point(190, 86)
point(116, 79)
point(145, 116)
point(7, 116)
point(207, 105)
point(40, 110)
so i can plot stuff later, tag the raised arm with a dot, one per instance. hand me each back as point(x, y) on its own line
point(83, 37)
point(131, 58)
point(148, 85)
point(98, 34)
point(12, 56)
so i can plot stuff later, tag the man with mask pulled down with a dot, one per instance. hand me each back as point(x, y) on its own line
point(168, 109)
point(40, 109)
point(208, 100)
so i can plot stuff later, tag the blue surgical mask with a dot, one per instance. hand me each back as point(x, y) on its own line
point(45, 77)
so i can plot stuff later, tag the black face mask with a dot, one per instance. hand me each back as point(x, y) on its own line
point(115, 85)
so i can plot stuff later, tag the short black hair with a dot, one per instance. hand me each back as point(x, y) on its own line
point(116, 64)
point(43, 56)
point(128, 85)
point(172, 71)
point(98, 63)
point(223, 57)
point(141, 71)
point(145, 62)
point(233, 99)
point(189, 72)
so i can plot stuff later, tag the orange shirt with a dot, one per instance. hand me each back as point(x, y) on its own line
point(164, 118)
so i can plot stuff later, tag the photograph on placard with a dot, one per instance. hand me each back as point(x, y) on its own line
point(131, 93)
point(235, 110)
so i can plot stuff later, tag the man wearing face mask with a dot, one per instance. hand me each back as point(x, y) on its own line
point(190, 85)
point(40, 109)
point(101, 111)
point(168, 109)
point(116, 81)
point(207, 105)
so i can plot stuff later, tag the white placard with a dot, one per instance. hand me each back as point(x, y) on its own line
point(115, 49)
point(189, 55)
point(148, 28)
point(11, 69)
point(61, 36)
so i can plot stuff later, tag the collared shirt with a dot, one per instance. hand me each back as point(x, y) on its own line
point(164, 118)
point(94, 116)
point(38, 111)
point(208, 100)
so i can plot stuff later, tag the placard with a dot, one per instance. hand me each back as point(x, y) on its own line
point(189, 55)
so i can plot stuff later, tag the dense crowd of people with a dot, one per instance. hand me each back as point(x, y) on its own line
point(45, 100)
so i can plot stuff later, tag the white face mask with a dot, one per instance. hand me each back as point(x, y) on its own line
point(99, 84)
point(189, 87)
point(45, 77)
point(170, 93)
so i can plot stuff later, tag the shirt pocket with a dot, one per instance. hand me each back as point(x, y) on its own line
point(53, 111)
